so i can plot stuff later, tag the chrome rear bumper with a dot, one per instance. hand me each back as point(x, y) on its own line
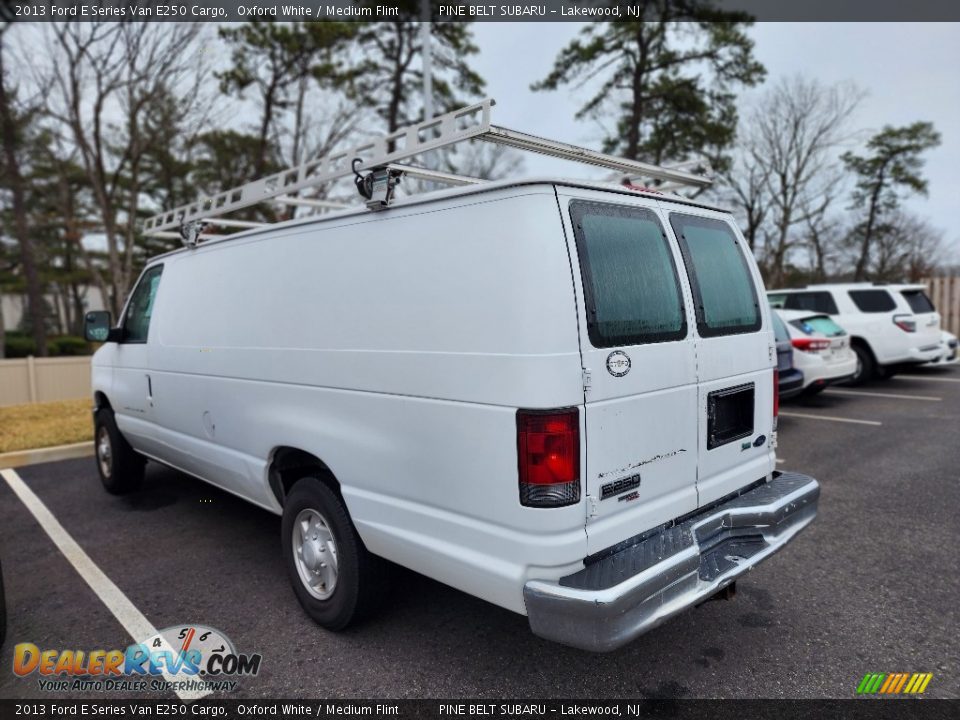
point(625, 593)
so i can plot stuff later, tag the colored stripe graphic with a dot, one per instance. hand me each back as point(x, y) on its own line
point(894, 683)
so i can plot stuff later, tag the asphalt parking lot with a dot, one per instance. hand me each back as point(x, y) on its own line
point(871, 586)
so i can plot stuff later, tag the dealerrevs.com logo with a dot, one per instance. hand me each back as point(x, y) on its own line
point(182, 657)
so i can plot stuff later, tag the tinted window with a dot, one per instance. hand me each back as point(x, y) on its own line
point(919, 302)
point(818, 324)
point(777, 300)
point(821, 302)
point(780, 331)
point(629, 280)
point(719, 275)
point(873, 301)
point(136, 324)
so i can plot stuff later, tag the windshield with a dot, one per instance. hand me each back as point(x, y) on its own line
point(779, 329)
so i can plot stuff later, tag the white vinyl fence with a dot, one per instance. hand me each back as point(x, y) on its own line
point(33, 380)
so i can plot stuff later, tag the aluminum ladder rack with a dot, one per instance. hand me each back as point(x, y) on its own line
point(383, 155)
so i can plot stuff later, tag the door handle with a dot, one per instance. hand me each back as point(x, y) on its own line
point(149, 389)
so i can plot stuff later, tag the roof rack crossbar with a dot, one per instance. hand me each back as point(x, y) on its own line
point(471, 122)
point(310, 202)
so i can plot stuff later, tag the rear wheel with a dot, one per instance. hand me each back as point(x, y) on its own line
point(119, 465)
point(334, 577)
point(885, 372)
point(866, 366)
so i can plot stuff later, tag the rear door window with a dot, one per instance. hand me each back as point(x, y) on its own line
point(723, 289)
point(819, 324)
point(918, 301)
point(821, 302)
point(873, 301)
point(630, 284)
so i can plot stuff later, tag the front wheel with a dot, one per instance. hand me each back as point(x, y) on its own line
point(119, 465)
point(334, 577)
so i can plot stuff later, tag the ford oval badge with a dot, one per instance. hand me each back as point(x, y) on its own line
point(618, 363)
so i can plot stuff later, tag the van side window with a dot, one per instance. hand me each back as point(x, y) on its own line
point(723, 288)
point(630, 284)
point(136, 323)
point(821, 302)
point(873, 301)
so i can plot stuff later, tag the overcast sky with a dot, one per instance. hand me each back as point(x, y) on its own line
point(909, 71)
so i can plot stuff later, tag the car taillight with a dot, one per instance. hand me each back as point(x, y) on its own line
point(905, 323)
point(548, 453)
point(810, 344)
point(776, 396)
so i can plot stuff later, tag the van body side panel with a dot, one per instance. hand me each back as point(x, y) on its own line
point(640, 424)
point(396, 347)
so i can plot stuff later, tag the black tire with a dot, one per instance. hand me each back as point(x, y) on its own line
point(358, 576)
point(866, 365)
point(119, 465)
point(814, 390)
point(885, 372)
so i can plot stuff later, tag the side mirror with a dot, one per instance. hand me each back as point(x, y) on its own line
point(96, 327)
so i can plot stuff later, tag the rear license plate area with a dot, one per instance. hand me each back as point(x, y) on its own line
point(729, 415)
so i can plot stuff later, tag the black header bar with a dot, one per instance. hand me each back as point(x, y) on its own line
point(471, 11)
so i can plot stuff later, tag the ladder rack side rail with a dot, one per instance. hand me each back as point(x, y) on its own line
point(374, 153)
point(577, 153)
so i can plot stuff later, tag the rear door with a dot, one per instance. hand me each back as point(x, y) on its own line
point(636, 345)
point(735, 354)
point(927, 317)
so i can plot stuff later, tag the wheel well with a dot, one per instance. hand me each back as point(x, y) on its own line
point(292, 464)
point(860, 342)
point(100, 401)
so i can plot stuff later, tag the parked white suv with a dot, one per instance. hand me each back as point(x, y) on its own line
point(556, 396)
point(821, 349)
point(889, 325)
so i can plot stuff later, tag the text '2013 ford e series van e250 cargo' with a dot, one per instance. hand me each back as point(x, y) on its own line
point(557, 396)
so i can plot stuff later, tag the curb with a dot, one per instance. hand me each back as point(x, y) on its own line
point(19, 458)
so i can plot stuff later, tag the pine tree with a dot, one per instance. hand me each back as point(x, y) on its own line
point(667, 83)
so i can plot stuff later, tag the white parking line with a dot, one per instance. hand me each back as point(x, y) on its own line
point(895, 396)
point(830, 418)
point(110, 595)
point(926, 377)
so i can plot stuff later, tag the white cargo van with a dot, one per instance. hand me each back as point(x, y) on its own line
point(558, 396)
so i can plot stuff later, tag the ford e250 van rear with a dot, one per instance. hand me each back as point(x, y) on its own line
point(558, 396)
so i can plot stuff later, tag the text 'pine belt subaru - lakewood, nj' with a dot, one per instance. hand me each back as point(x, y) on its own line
point(558, 396)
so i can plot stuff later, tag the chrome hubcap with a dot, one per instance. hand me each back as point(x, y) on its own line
point(315, 554)
point(104, 452)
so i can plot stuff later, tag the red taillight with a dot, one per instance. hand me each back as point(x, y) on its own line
point(776, 396)
point(810, 344)
point(548, 453)
point(905, 323)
